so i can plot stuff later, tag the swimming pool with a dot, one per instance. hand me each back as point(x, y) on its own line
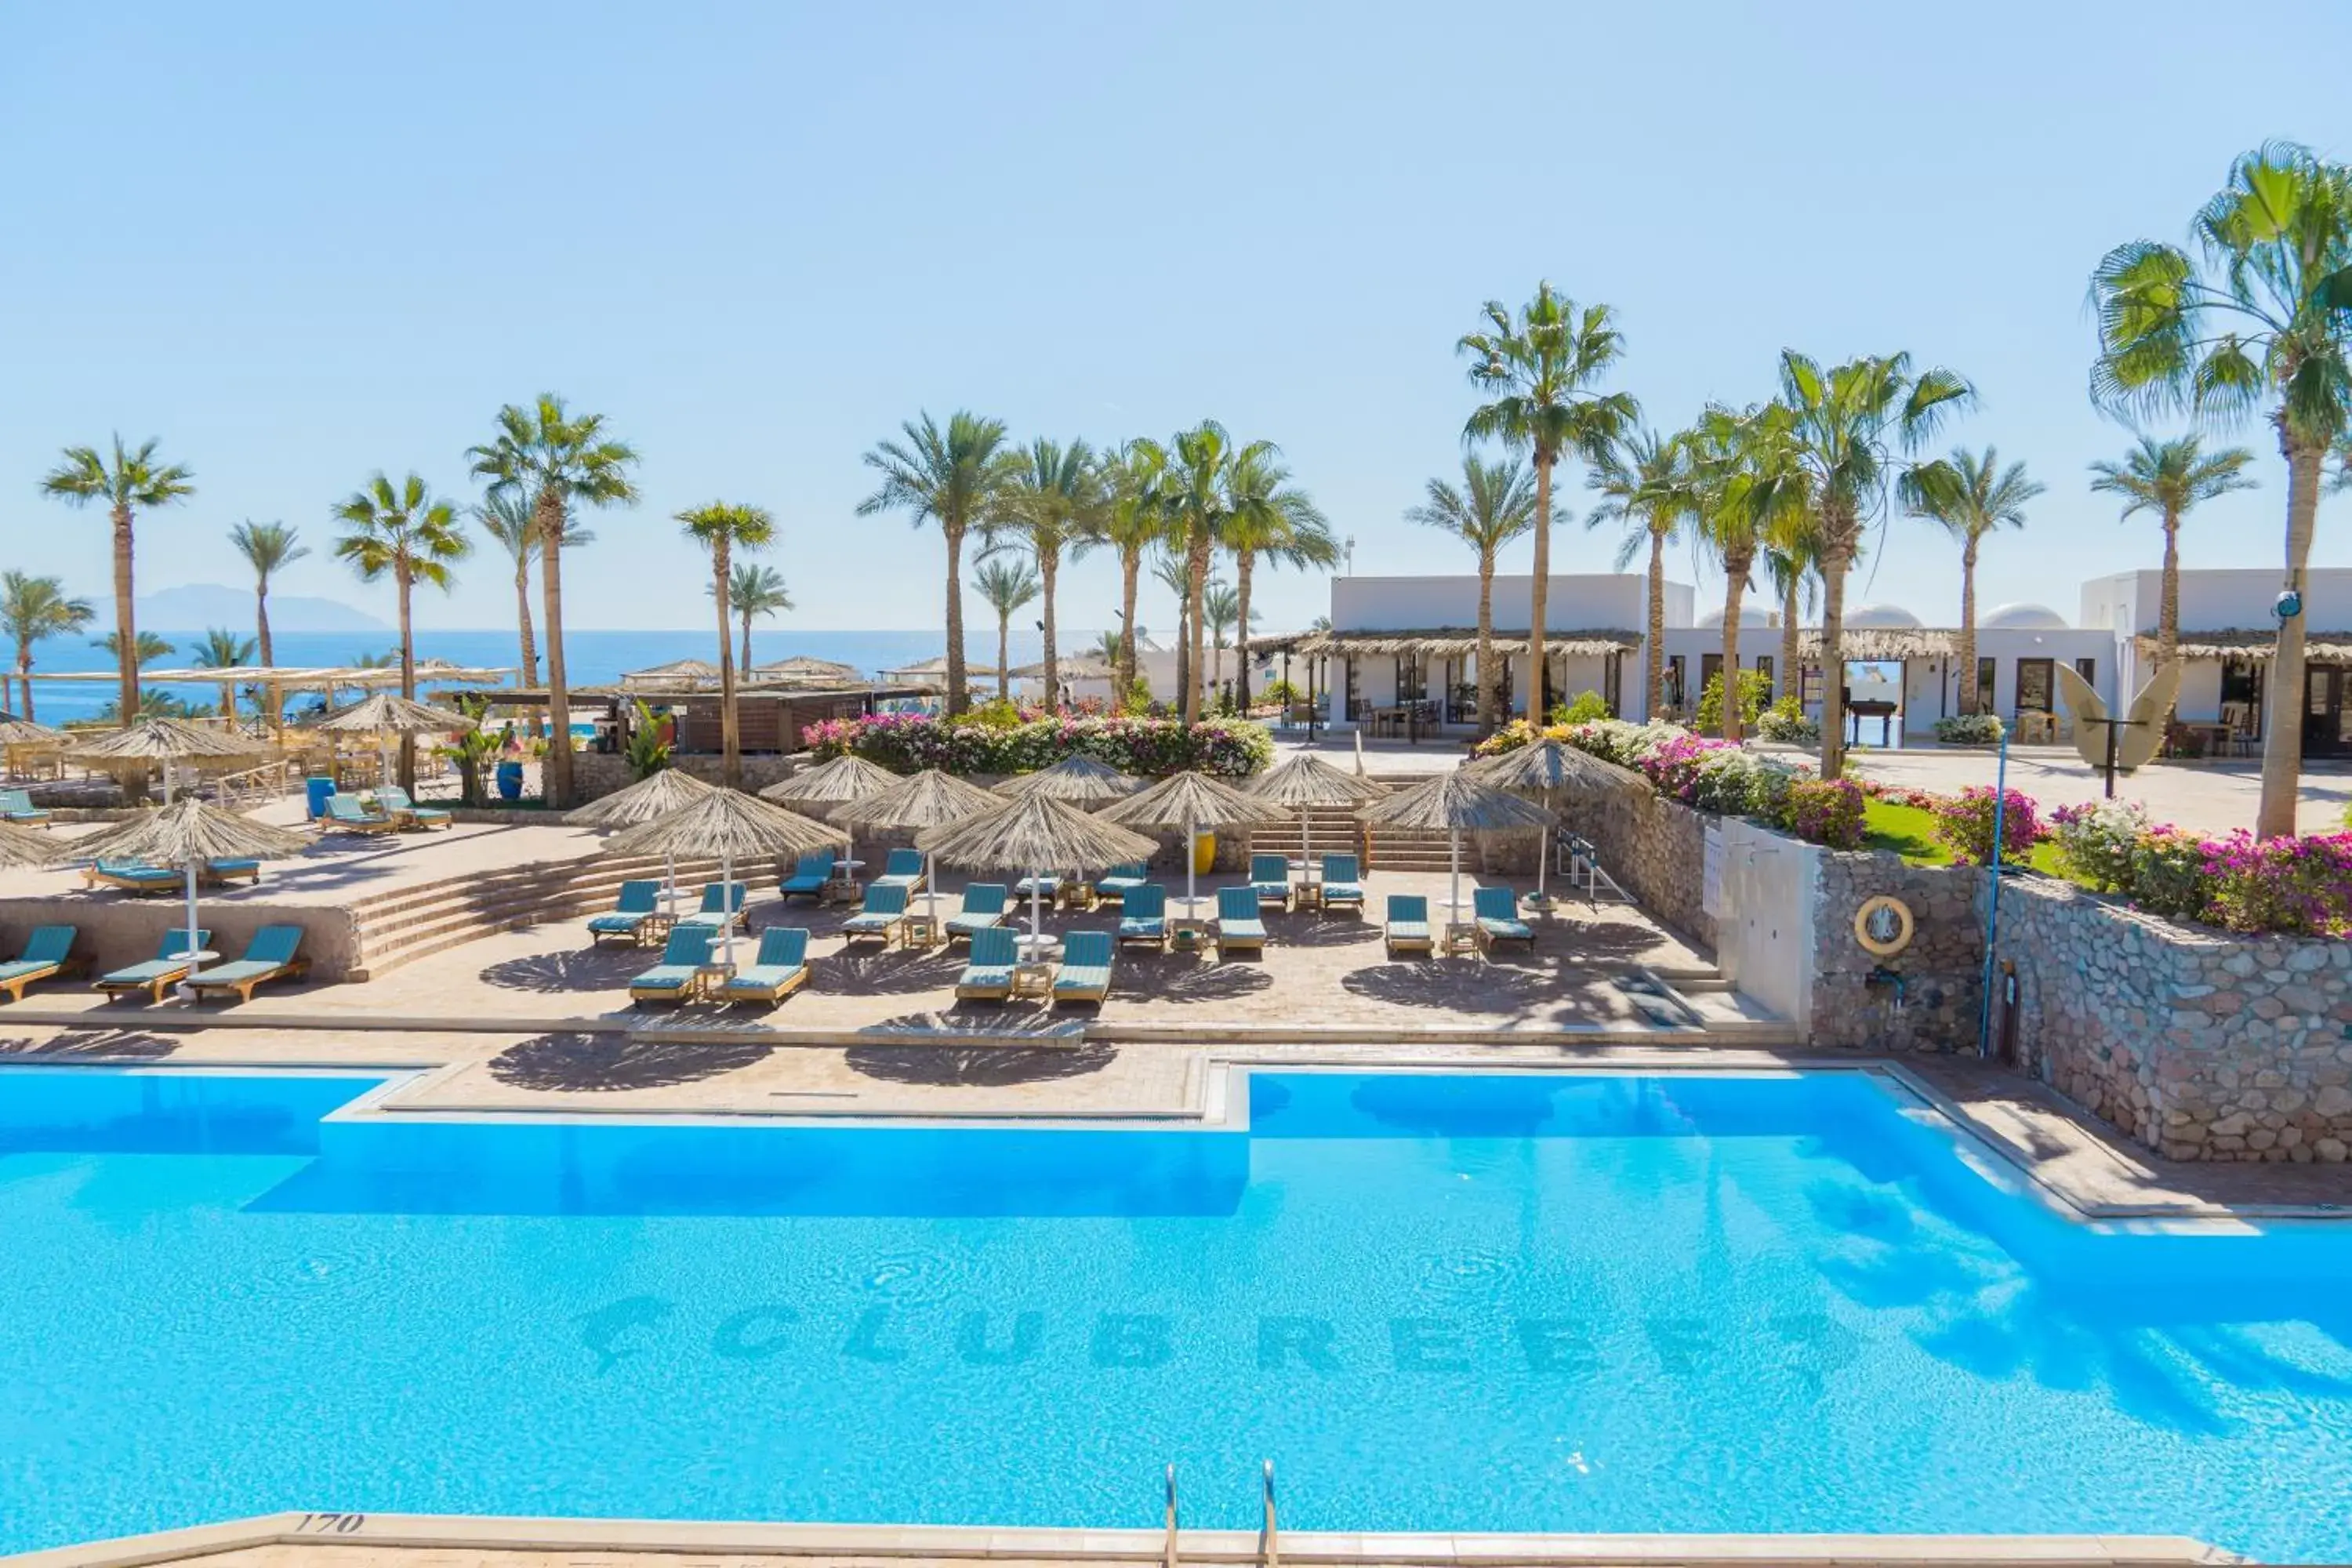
point(1508, 1302)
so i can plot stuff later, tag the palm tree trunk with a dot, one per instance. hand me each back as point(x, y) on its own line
point(744, 663)
point(523, 623)
point(959, 697)
point(730, 754)
point(1130, 566)
point(555, 776)
point(1004, 652)
point(1196, 591)
point(1244, 560)
point(1489, 689)
point(1734, 589)
point(1539, 587)
point(126, 631)
point(270, 694)
point(1792, 675)
point(2168, 615)
point(1183, 651)
point(1968, 627)
point(1835, 553)
point(25, 676)
point(1656, 652)
point(401, 580)
point(2282, 695)
point(1049, 562)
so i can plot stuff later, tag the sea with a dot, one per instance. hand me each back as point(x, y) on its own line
point(591, 657)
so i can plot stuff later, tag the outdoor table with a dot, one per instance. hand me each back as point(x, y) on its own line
point(1035, 949)
point(195, 961)
point(709, 977)
point(654, 929)
point(1307, 896)
point(1188, 935)
point(845, 870)
point(1032, 979)
point(2216, 737)
point(1460, 936)
point(1075, 894)
point(918, 931)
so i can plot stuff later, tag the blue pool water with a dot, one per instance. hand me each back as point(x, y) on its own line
point(1499, 1302)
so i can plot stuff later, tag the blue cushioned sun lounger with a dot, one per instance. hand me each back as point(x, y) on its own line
point(672, 980)
point(1239, 928)
point(1343, 883)
point(983, 909)
point(781, 968)
point(638, 903)
point(810, 875)
point(883, 917)
point(345, 813)
point(1270, 880)
point(1407, 929)
point(1499, 918)
point(46, 953)
point(161, 973)
point(722, 906)
point(1085, 975)
point(904, 869)
point(133, 877)
point(396, 804)
point(988, 972)
point(1122, 880)
point(1143, 916)
point(16, 805)
point(274, 954)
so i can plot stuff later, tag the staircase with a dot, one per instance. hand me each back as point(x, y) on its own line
point(1330, 830)
point(404, 924)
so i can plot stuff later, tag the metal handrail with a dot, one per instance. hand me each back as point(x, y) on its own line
point(1168, 1555)
point(1271, 1553)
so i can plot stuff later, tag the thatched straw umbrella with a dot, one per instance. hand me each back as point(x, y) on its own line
point(1543, 769)
point(1033, 835)
point(22, 734)
point(1455, 804)
point(732, 826)
point(21, 845)
point(186, 833)
point(825, 788)
point(388, 716)
point(1077, 779)
point(1192, 801)
point(1308, 780)
point(921, 801)
point(168, 741)
point(651, 798)
point(800, 669)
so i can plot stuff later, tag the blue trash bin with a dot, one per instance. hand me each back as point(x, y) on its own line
point(511, 781)
point(318, 790)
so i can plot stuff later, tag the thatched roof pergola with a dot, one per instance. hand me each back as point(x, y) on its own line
point(803, 671)
point(2318, 648)
point(1871, 644)
point(1445, 642)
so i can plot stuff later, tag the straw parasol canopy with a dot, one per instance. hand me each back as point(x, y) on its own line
point(1035, 835)
point(1455, 803)
point(836, 783)
point(1546, 765)
point(656, 796)
point(25, 733)
point(920, 800)
point(389, 714)
point(186, 833)
point(1191, 800)
point(800, 669)
point(168, 740)
point(1077, 667)
point(1077, 779)
point(733, 826)
point(1308, 780)
point(21, 845)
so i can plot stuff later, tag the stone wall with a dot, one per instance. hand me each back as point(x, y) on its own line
point(1924, 998)
point(598, 774)
point(1656, 848)
point(116, 929)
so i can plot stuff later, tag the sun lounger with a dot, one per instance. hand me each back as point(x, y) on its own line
point(1048, 888)
point(638, 903)
point(1343, 883)
point(988, 972)
point(1269, 878)
point(983, 909)
point(672, 980)
point(229, 871)
point(810, 874)
point(1143, 916)
point(722, 906)
point(274, 954)
point(1085, 975)
point(159, 974)
point(1239, 927)
point(346, 814)
point(1407, 929)
point(780, 968)
point(47, 952)
point(133, 877)
point(16, 805)
point(1120, 880)
point(904, 869)
point(881, 919)
point(1497, 911)
point(400, 808)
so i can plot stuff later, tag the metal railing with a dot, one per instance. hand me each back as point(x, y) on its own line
point(254, 786)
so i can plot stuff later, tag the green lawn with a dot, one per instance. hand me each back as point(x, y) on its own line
point(1910, 832)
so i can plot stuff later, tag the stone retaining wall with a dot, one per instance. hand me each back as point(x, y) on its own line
point(117, 929)
point(1936, 1006)
point(1656, 848)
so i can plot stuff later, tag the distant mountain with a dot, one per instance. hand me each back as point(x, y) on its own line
point(194, 607)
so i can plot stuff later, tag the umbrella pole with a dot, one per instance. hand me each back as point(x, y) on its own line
point(932, 892)
point(1037, 916)
point(189, 946)
point(669, 864)
point(1454, 874)
point(1191, 864)
point(726, 907)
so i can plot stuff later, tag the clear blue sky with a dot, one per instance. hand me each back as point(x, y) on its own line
point(300, 242)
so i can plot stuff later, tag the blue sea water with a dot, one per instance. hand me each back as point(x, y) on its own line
point(1510, 1302)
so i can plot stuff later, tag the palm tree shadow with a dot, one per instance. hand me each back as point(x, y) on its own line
point(99, 1043)
point(1319, 930)
point(598, 968)
point(608, 1063)
point(1181, 980)
point(899, 974)
point(986, 1066)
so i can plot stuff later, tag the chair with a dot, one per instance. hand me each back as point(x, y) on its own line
point(161, 973)
point(1239, 927)
point(1085, 975)
point(1497, 911)
point(1407, 929)
point(1343, 883)
point(983, 909)
point(1269, 878)
point(811, 872)
point(395, 802)
point(1143, 916)
point(345, 814)
point(903, 868)
point(781, 968)
point(988, 972)
point(639, 901)
point(16, 805)
point(1122, 880)
point(1047, 888)
point(274, 954)
point(722, 906)
point(881, 918)
point(673, 979)
point(232, 870)
point(47, 952)
point(132, 877)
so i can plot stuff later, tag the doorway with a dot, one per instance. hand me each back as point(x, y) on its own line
point(2326, 716)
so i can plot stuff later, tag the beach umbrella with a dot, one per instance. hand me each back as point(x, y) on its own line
point(1308, 780)
point(1076, 780)
point(21, 845)
point(1455, 803)
point(185, 833)
point(800, 669)
point(1032, 835)
point(830, 785)
point(920, 800)
point(1192, 801)
point(730, 825)
point(388, 716)
point(169, 740)
point(1544, 768)
point(656, 796)
point(25, 733)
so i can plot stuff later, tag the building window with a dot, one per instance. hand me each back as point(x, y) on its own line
point(1764, 668)
point(2241, 697)
point(1411, 678)
point(1710, 665)
point(1808, 685)
point(1355, 696)
point(1987, 671)
point(1674, 696)
point(2089, 668)
point(2036, 678)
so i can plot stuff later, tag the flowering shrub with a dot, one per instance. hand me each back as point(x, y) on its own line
point(2300, 886)
point(908, 742)
point(2099, 839)
point(1672, 765)
point(2168, 874)
point(1965, 822)
point(1969, 730)
point(1826, 812)
point(1785, 723)
point(1587, 707)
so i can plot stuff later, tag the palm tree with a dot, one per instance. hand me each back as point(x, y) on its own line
point(225, 649)
point(2169, 478)
point(1056, 497)
point(1494, 504)
point(127, 482)
point(1848, 430)
point(146, 647)
point(1970, 495)
point(32, 608)
point(1221, 607)
point(1006, 585)
point(1792, 557)
point(754, 591)
point(722, 528)
point(1538, 371)
point(1649, 484)
point(1271, 519)
point(556, 460)
point(1197, 501)
point(1737, 456)
point(1110, 648)
point(2265, 326)
point(267, 547)
point(959, 478)
point(405, 530)
point(1170, 570)
point(1129, 522)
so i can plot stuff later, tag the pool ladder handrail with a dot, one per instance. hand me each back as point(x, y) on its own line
point(1168, 1554)
point(1270, 1551)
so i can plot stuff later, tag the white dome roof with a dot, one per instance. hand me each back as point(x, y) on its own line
point(2025, 617)
point(1881, 616)
point(1749, 615)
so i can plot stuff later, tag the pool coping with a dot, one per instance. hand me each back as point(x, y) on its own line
point(658, 1537)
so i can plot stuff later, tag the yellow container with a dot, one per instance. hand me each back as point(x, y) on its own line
point(1204, 854)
